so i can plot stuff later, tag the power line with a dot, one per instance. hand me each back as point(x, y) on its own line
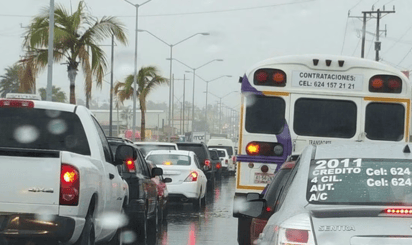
point(405, 56)
point(192, 13)
point(357, 45)
point(403, 35)
point(344, 35)
point(356, 5)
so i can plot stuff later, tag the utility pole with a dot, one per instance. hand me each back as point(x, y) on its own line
point(373, 14)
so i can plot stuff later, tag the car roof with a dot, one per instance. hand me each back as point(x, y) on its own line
point(363, 150)
point(173, 152)
point(154, 143)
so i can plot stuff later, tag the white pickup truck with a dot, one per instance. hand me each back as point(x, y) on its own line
point(58, 179)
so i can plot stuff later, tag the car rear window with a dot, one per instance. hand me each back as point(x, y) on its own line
point(221, 153)
point(148, 148)
point(360, 181)
point(198, 149)
point(42, 129)
point(169, 159)
point(229, 149)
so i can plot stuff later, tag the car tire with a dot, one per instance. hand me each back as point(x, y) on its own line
point(160, 216)
point(87, 237)
point(165, 213)
point(243, 231)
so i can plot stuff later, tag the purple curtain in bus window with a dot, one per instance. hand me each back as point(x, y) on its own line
point(247, 88)
point(286, 140)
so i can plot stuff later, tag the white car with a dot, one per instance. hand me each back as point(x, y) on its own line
point(188, 180)
point(146, 147)
point(229, 146)
point(224, 158)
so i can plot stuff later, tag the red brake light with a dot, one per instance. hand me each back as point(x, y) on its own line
point(218, 165)
point(288, 165)
point(300, 236)
point(226, 161)
point(268, 209)
point(130, 166)
point(261, 76)
point(234, 159)
point(253, 149)
point(192, 177)
point(398, 211)
point(207, 163)
point(17, 103)
point(69, 185)
point(394, 84)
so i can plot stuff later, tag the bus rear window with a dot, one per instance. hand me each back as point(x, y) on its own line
point(265, 115)
point(360, 181)
point(325, 118)
point(385, 121)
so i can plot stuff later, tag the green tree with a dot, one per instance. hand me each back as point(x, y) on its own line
point(10, 81)
point(76, 40)
point(57, 94)
point(148, 79)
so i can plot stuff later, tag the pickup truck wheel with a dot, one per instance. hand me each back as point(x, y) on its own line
point(118, 237)
point(87, 236)
point(204, 199)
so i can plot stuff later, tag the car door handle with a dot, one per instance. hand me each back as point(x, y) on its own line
point(111, 176)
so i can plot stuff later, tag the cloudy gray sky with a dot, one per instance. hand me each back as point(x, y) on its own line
point(242, 32)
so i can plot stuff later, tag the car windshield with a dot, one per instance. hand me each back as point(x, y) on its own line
point(145, 149)
point(360, 181)
point(169, 159)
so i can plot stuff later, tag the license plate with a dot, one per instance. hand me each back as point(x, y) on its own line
point(263, 178)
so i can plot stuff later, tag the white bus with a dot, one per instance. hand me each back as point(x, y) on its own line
point(290, 102)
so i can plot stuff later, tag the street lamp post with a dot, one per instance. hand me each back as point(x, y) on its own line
point(207, 91)
point(171, 59)
point(194, 79)
point(135, 66)
point(220, 107)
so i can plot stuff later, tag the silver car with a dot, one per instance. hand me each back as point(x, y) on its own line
point(358, 193)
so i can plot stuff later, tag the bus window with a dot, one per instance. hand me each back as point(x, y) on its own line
point(265, 115)
point(325, 118)
point(384, 121)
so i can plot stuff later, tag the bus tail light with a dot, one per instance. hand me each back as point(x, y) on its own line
point(69, 185)
point(264, 169)
point(385, 84)
point(264, 149)
point(270, 77)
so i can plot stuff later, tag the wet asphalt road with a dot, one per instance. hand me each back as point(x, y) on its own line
point(213, 225)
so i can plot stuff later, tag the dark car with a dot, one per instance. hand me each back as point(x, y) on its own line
point(250, 228)
point(143, 207)
point(205, 160)
point(162, 192)
point(214, 155)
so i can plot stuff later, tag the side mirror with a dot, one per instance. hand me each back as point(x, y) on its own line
point(252, 196)
point(124, 153)
point(167, 180)
point(252, 208)
point(157, 172)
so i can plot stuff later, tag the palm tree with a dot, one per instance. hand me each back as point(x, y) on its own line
point(10, 81)
point(76, 39)
point(147, 80)
point(57, 94)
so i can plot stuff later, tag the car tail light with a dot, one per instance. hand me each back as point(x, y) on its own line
point(385, 84)
point(288, 165)
point(69, 185)
point(17, 103)
point(218, 165)
point(192, 177)
point(296, 230)
point(207, 163)
point(257, 227)
point(264, 149)
point(270, 77)
point(130, 166)
point(234, 159)
point(226, 161)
